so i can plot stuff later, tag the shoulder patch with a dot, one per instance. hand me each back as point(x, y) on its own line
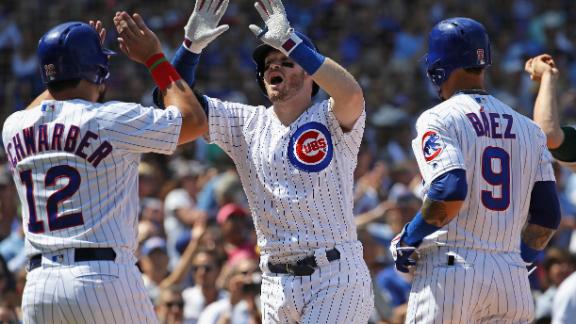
point(432, 145)
point(310, 148)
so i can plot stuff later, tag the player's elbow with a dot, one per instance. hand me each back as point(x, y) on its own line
point(356, 95)
point(194, 126)
point(554, 138)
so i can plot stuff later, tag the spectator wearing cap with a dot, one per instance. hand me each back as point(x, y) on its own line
point(154, 264)
point(237, 231)
point(169, 305)
point(180, 203)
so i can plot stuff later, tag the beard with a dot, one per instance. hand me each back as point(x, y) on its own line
point(292, 86)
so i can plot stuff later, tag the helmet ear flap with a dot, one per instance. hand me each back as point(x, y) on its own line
point(436, 73)
point(437, 76)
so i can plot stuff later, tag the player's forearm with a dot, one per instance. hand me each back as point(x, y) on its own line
point(346, 93)
point(440, 213)
point(183, 266)
point(536, 236)
point(546, 110)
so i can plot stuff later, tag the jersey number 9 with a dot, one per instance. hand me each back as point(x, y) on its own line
point(496, 176)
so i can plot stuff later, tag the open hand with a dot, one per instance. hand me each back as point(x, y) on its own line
point(136, 40)
point(277, 30)
point(202, 27)
point(99, 29)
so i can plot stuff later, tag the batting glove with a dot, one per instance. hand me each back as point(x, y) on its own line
point(402, 252)
point(202, 27)
point(277, 32)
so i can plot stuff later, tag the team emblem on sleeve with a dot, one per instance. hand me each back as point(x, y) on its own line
point(431, 145)
point(310, 148)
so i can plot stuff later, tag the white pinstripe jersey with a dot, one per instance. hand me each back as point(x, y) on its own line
point(504, 154)
point(75, 165)
point(298, 178)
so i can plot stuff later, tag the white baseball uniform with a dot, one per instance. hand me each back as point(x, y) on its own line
point(75, 165)
point(299, 181)
point(470, 270)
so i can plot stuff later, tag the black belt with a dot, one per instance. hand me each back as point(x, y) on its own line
point(304, 267)
point(80, 254)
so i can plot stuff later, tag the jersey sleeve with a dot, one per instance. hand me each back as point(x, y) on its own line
point(138, 129)
point(436, 147)
point(352, 138)
point(226, 122)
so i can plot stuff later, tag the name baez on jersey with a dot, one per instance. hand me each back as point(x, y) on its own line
point(34, 141)
point(490, 124)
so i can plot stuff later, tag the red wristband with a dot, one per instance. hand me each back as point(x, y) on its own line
point(162, 71)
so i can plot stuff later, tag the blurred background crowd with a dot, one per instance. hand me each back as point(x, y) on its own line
point(197, 243)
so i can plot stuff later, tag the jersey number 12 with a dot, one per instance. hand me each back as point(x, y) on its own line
point(54, 222)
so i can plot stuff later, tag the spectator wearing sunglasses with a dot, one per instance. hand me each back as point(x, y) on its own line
point(205, 268)
point(170, 305)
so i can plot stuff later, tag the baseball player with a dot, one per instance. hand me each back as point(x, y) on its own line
point(74, 161)
point(491, 203)
point(296, 161)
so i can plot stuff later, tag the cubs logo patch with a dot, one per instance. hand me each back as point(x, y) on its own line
point(310, 148)
point(431, 145)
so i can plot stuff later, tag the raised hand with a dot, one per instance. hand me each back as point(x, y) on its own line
point(538, 65)
point(202, 27)
point(136, 40)
point(277, 30)
point(99, 29)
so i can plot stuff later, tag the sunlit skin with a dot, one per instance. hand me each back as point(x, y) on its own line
point(292, 78)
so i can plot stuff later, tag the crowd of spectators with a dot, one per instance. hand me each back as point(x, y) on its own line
point(197, 244)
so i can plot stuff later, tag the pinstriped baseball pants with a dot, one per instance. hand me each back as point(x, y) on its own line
point(86, 292)
point(338, 292)
point(475, 287)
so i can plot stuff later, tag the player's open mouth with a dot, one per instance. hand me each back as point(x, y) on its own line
point(276, 80)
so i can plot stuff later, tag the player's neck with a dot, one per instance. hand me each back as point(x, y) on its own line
point(84, 90)
point(289, 110)
point(462, 80)
point(461, 85)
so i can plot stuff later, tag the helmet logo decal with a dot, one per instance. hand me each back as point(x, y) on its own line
point(50, 70)
point(480, 56)
point(310, 148)
point(431, 145)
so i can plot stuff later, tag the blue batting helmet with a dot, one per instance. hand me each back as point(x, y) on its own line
point(72, 50)
point(259, 56)
point(456, 43)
